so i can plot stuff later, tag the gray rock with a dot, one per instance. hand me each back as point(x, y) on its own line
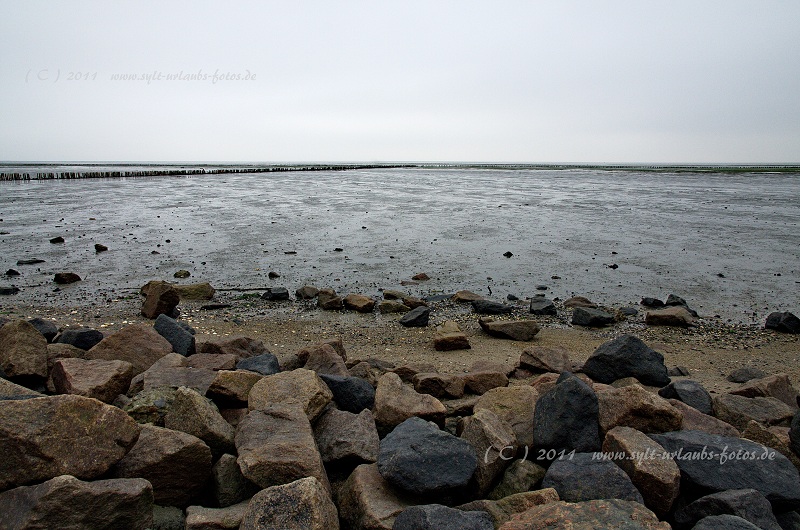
point(690, 392)
point(521, 476)
point(724, 522)
point(264, 364)
point(581, 477)
point(304, 504)
point(591, 317)
point(746, 503)
point(196, 415)
point(739, 410)
point(416, 318)
point(489, 307)
point(745, 374)
point(168, 518)
point(626, 356)
point(45, 327)
point(229, 486)
point(83, 338)
point(178, 336)
point(543, 306)
point(275, 294)
point(567, 417)
point(439, 517)
point(784, 322)
point(352, 394)
point(346, 437)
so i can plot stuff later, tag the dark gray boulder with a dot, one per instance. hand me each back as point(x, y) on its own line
point(627, 356)
point(747, 504)
point(690, 392)
point(275, 294)
point(566, 417)
point(83, 338)
point(542, 306)
point(416, 318)
point(45, 327)
point(724, 522)
point(674, 300)
point(439, 517)
point(784, 322)
point(745, 374)
point(264, 364)
point(419, 458)
point(712, 463)
point(489, 307)
point(648, 301)
point(591, 317)
point(794, 434)
point(182, 340)
point(583, 477)
point(351, 394)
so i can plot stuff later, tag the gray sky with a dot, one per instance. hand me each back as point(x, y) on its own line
point(493, 81)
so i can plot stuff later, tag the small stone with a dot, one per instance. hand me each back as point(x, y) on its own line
point(98, 248)
point(66, 278)
point(276, 294)
point(182, 274)
point(590, 317)
point(56, 240)
point(450, 337)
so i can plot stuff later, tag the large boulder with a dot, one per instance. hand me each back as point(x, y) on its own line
point(784, 322)
point(42, 438)
point(346, 437)
point(648, 465)
point(352, 394)
point(202, 518)
point(777, 386)
point(179, 335)
point(539, 359)
point(239, 345)
point(367, 500)
point(633, 406)
point(304, 504)
point(276, 446)
point(419, 458)
point(232, 387)
point(99, 379)
point(521, 476)
point(23, 351)
point(395, 402)
point(83, 338)
point(175, 463)
point(196, 415)
point(263, 364)
point(503, 509)
point(607, 513)
point(748, 504)
point(711, 463)
point(326, 360)
point(439, 517)
point(694, 420)
point(740, 410)
point(439, 385)
point(626, 356)
point(228, 485)
point(160, 298)
point(67, 502)
point(566, 417)
point(493, 439)
point(138, 344)
point(300, 386)
point(584, 477)
point(514, 404)
point(690, 392)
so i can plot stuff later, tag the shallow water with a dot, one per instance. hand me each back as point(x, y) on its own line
point(671, 232)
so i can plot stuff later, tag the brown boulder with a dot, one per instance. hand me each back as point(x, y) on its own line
point(196, 415)
point(633, 406)
point(212, 361)
point(481, 378)
point(579, 301)
point(777, 386)
point(304, 504)
point(238, 345)
point(466, 297)
point(671, 316)
point(359, 303)
point(367, 501)
point(328, 299)
point(160, 298)
point(608, 513)
point(494, 441)
point(23, 350)
point(694, 420)
point(522, 330)
point(449, 337)
point(227, 518)
point(45, 437)
point(336, 344)
point(439, 385)
point(324, 359)
point(99, 379)
point(502, 510)
point(344, 436)
point(301, 386)
point(138, 344)
point(408, 371)
point(541, 359)
point(514, 404)
point(195, 291)
point(739, 410)
point(396, 402)
point(231, 387)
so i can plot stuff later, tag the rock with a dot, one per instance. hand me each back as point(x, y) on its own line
point(9, 390)
point(627, 356)
point(777, 386)
point(408, 371)
point(647, 464)
point(212, 361)
point(724, 522)
point(502, 510)
point(138, 344)
point(306, 292)
point(33, 261)
point(739, 410)
point(328, 300)
point(648, 301)
point(678, 371)
point(419, 458)
point(275, 294)
point(8, 291)
point(449, 337)
point(523, 330)
point(45, 437)
point(788, 520)
point(416, 318)
point(83, 338)
point(420, 277)
point(488, 307)
point(582, 477)
point(102, 380)
point(151, 406)
point(182, 274)
point(745, 374)
point(346, 437)
point(516, 405)
point(63, 278)
point(480, 380)
point(694, 420)
point(351, 394)
point(45, 327)
point(690, 392)
point(302, 387)
point(359, 303)
point(439, 385)
point(566, 417)
point(465, 297)
point(773, 437)
point(98, 248)
point(304, 504)
point(227, 518)
point(590, 317)
point(671, 316)
point(414, 302)
point(161, 298)
point(23, 351)
point(242, 347)
point(784, 322)
point(748, 504)
point(396, 402)
point(231, 387)
point(175, 463)
point(228, 484)
point(386, 307)
point(62, 502)
point(608, 513)
point(521, 476)
point(367, 500)
point(541, 359)
point(195, 291)
point(579, 301)
point(264, 364)
point(633, 406)
point(543, 306)
point(196, 415)
point(166, 373)
point(712, 463)
point(168, 518)
point(58, 239)
point(439, 517)
point(177, 335)
point(276, 446)
point(325, 360)
point(794, 434)
point(493, 440)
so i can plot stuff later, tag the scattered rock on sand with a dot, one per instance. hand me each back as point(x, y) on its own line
point(66, 278)
point(785, 322)
point(522, 330)
point(275, 294)
point(327, 299)
point(416, 318)
point(542, 306)
point(160, 298)
point(671, 316)
point(591, 317)
point(359, 303)
point(489, 307)
point(450, 337)
point(579, 301)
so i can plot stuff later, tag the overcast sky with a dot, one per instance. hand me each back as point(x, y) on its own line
point(492, 81)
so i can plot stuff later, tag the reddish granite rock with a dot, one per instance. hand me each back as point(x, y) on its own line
point(99, 379)
point(449, 337)
point(541, 359)
point(304, 504)
point(396, 402)
point(777, 386)
point(23, 350)
point(138, 344)
point(160, 298)
point(301, 386)
point(694, 420)
point(633, 406)
point(359, 303)
point(213, 361)
point(439, 385)
point(611, 513)
point(514, 404)
point(367, 500)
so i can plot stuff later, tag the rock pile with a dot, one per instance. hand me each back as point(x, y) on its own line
point(147, 424)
